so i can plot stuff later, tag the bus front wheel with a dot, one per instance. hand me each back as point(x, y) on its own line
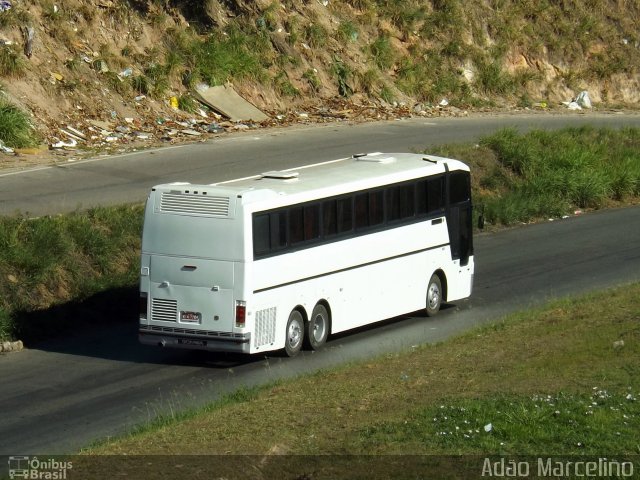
point(294, 334)
point(317, 327)
point(434, 295)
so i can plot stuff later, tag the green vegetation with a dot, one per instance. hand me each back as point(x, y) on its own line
point(561, 380)
point(15, 128)
point(11, 64)
point(45, 262)
point(549, 174)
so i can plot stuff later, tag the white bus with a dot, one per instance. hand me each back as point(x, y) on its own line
point(283, 259)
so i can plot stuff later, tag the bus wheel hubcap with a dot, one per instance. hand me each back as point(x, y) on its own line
point(318, 328)
point(434, 296)
point(295, 333)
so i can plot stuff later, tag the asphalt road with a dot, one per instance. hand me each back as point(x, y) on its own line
point(58, 396)
point(128, 178)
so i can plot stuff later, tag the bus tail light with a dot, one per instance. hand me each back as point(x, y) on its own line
point(143, 305)
point(241, 313)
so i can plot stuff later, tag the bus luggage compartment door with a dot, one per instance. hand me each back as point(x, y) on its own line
point(192, 293)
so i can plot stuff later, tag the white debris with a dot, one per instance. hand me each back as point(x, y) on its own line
point(4, 148)
point(583, 99)
point(488, 427)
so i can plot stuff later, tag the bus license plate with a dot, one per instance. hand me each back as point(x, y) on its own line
point(190, 317)
point(195, 343)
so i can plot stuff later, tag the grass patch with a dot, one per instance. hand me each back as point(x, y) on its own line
point(541, 174)
point(15, 127)
point(548, 381)
point(48, 262)
point(11, 64)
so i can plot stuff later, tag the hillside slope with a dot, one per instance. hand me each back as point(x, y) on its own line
point(115, 70)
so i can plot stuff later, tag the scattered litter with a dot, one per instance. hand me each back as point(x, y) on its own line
point(60, 144)
point(55, 77)
point(4, 148)
point(191, 132)
point(577, 212)
point(215, 128)
point(73, 135)
point(202, 87)
point(100, 66)
point(618, 344)
point(488, 427)
point(28, 34)
point(140, 97)
point(76, 132)
point(127, 72)
point(173, 102)
point(128, 119)
point(444, 102)
point(105, 126)
point(4, 6)
point(122, 129)
point(583, 99)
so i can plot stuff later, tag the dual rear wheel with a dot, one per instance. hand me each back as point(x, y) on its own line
point(312, 334)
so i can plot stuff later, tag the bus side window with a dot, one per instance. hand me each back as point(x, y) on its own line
point(376, 208)
point(296, 225)
point(401, 202)
point(435, 195)
point(344, 215)
point(261, 243)
point(421, 197)
point(278, 227)
point(459, 187)
point(362, 210)
point(312, 222)
point(329, 218)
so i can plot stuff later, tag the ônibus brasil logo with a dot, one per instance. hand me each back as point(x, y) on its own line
point(38, 469)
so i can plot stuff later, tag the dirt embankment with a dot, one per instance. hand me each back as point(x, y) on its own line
point(108, 76)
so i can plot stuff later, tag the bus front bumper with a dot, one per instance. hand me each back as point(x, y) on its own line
point(209, 341)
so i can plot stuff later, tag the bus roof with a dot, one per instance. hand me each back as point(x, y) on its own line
point(342, 175)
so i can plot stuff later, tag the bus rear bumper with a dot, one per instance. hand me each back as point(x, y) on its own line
point(241, 344)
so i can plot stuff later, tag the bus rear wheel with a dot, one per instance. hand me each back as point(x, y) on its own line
point(317, 327)
point(294, 334)
point(434, 295)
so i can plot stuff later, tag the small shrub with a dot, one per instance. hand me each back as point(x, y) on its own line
point(382, 53)
point(347, 32)
point(312, 79)
point(342, 73)
point(187, 103)
point(15, 128)
point(316, 35)
point(11, 64)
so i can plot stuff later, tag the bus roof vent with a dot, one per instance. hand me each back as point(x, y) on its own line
point(193, 204)
point(280, 175)
point(376, 157)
